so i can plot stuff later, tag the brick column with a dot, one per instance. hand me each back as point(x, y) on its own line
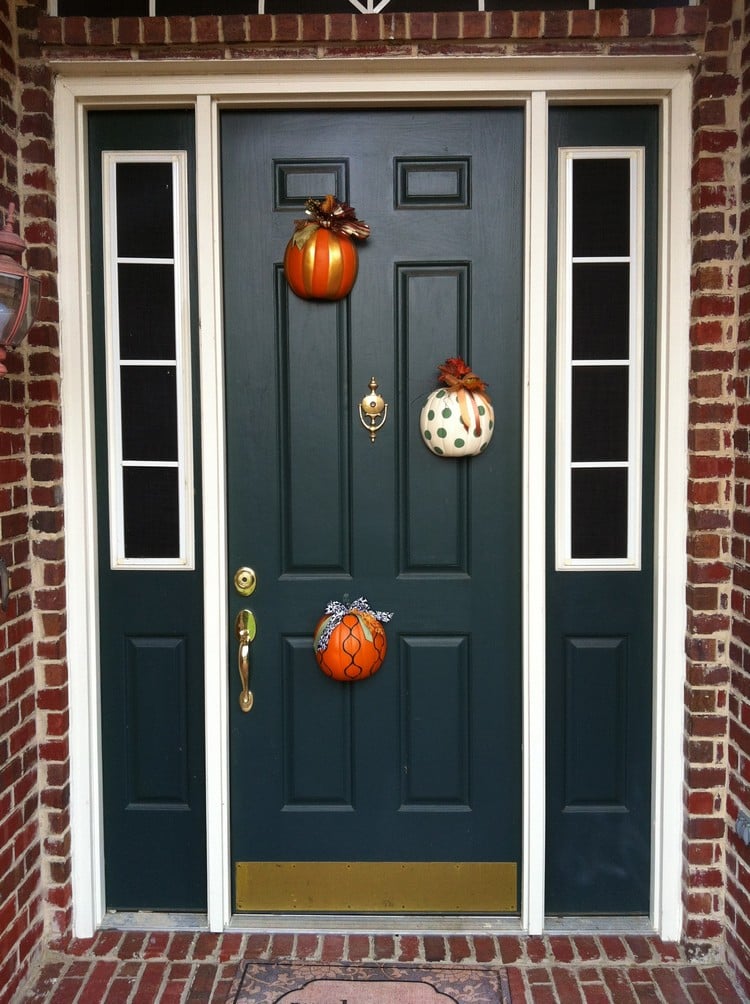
point(28, 413)
point(738, 795)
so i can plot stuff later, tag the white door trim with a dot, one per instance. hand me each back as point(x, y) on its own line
point(205, 86)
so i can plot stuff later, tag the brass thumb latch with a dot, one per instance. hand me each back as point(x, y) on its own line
point(244, 629)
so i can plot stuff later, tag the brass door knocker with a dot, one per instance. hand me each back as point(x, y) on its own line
point(373, 411)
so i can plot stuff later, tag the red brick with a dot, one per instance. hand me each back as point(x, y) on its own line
point(610, 23)
point(285, 27)
point(180, 945)
point(205, 945)
point(207, 28)
point(409, 946)
point(332, 949)
point(458, 948)
point(359, 947)
point(385, 946)
point(282, 945)
point(528, 24)
point(484, 948)
point(307, 946)
point(434, 948)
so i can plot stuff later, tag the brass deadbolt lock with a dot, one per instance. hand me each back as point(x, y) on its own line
point(245, 581)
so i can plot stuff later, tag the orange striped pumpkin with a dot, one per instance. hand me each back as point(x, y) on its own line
point(324, 268)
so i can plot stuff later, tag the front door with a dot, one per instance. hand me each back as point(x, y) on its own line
point(401, 792)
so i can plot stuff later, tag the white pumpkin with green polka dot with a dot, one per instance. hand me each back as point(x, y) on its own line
point(445, 434)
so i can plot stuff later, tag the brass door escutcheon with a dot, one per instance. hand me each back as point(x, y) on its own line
point(244, 630)
point(245, 581)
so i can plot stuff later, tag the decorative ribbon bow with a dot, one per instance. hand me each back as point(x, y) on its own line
point(335, 613)
point(459, 377)
point(332, 215)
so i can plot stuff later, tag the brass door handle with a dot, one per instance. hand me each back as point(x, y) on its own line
point(244, 630)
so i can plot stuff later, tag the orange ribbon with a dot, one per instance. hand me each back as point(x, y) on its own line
point(458, 376)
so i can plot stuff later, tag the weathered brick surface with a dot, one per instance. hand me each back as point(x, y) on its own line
point(714, 729)
point(33, 670)
point(93, 972)
point(33, 695)
point(737, 891)
point(448, 33)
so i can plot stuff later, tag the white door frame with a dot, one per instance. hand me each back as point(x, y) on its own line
point(534, 83)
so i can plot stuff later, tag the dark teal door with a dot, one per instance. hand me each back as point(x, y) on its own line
point(403, 791)
point(150, 593)
point(600, 551)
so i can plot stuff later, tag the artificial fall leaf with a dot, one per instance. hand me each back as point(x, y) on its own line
point(457, 374)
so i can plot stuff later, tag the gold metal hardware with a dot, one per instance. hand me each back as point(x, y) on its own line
point(245, 581)
point(244, 629)
point(377, 886)
point(373, 411)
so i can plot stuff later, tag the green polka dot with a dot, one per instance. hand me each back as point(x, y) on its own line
point(436, 449)
point(430, 415)
point(481, 409)
point(442, 433)
point(483, 447)
point(446, 413)
point(492, 424)
point(427, 434)
point(441, 393)
point(459, 443)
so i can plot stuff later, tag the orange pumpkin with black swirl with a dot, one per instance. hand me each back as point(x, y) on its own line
point(356, 647)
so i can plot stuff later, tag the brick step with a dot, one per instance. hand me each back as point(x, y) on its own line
point(185, 967)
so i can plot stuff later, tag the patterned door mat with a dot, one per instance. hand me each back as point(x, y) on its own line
point(317, 983)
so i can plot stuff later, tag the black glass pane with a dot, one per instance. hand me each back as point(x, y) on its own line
point(601, 310)
point(144, 211)
point(600, 413)
point(601, 207)
point(149, 412)
point(167, 7)
point(151, 512)
point(536, 4)
point(419, 6)
point(599, 512)
point(147, 323)
point(102, 8)
point(309, 7)
point(641, 4)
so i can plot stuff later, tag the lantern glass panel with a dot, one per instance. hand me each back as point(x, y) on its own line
point(32, 307)
point(11, 296)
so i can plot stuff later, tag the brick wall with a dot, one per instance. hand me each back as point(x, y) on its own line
point(717, 713)
point(711, 471)
point(294, 36)
point(738, 794)
point(29, 495)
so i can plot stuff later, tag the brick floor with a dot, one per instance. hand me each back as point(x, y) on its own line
point(129, 967)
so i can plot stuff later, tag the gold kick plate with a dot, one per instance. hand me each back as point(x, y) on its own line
point(377, 886)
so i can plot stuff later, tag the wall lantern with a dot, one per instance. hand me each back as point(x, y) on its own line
point(19, 291)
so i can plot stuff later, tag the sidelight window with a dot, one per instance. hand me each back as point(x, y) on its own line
point(599, 358)
point(148, 371)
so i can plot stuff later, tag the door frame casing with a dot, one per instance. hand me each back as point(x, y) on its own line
point(535, 84)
